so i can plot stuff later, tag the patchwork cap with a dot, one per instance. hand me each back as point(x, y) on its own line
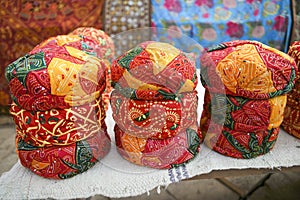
point(247, 68)
point(155, 119)
point(159, 153)
point(58, 73)
point(153, 70)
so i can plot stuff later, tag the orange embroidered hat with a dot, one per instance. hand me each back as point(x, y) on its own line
point(247, 68)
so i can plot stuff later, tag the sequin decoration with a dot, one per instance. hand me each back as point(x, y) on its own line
point(127, 15)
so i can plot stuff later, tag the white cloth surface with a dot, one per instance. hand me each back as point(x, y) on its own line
point(115, 177)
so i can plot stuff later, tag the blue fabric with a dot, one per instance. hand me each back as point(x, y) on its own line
point(210, 22)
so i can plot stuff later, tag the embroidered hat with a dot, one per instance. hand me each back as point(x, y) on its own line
point(155, 119)
point(291, 122)
point(159, 153)
point(153, 70)
point(61, 162)
point(59, 73)
point(249, 69)
point(59, 126)
point(235, 126)
point(104, 49)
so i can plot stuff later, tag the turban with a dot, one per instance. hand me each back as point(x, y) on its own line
point(234, 124)
point(291, 122)
point(104, 49)
point(153, 70)
point(246, 86)
point(240, 144)
point(57, 103)
point(154, 105)
point(59, 126)
point(56, 76)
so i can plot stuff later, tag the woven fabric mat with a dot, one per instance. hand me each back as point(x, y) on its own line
point(115, 177)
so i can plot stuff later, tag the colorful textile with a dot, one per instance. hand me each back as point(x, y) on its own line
point(64, 161)
point(24, 24)
point(246, 93)
point(291, 122)
point(240, 127)
point(59, 126)
point(158, 153)
point(239, 144)
point(293, 96)
point(210, 22)
point(153, 70)
point(105, 50)
point(154, 105)
point(291, 115)
point(294, 52)
point(58, 73)
point(249, 69)
point(105, 46)
point(155, 119)
point(57, 103)
point(243, 114)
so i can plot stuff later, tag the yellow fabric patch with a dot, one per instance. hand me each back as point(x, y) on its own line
point(137, 84)
point(63, 76)
point(243, 68)
point(188, 86)
point(39, 165)
point(277, 110)
point(66, 39)
point(76, 53)
point(64, 79)
point(161, 55)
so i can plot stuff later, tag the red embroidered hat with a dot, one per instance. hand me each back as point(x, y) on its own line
point(241, 127)
point(246, 85)
point(59, 73)
point(155, 119)
point(153, 70)
point(159, 153)
point(61, 162)
point(57, 127)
